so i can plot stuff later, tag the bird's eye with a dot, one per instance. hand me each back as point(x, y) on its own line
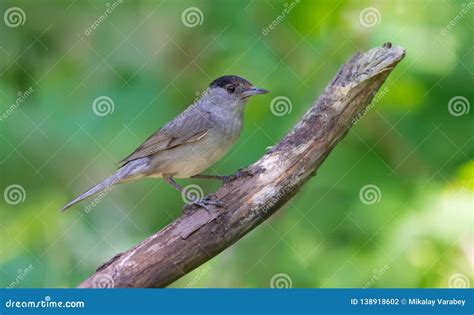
point(230, 88)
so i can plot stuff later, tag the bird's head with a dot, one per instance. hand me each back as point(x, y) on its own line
point(231, 90)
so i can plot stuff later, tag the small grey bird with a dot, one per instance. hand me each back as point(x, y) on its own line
point(191, 142)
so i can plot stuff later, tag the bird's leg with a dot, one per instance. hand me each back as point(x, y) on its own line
point(189, 198)
point(218, 177)
point(170, 180)
point(226, 178)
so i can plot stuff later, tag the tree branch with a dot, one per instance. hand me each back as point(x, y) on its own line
point(260, 189)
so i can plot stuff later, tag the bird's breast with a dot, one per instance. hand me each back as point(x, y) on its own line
point(193, 158)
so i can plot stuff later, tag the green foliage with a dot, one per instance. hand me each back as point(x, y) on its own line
point(417, 233)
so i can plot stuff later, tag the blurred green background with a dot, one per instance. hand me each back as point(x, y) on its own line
point(414, 146)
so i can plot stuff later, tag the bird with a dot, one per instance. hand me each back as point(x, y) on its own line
point(190, 143)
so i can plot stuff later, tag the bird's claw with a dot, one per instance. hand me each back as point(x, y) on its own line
point(211, 200)
point(240, 173)
point(206, 202)
point(227, 178)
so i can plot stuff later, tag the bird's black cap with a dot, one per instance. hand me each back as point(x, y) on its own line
point(228, 79)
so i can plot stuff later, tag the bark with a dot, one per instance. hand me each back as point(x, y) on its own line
point(260, 189)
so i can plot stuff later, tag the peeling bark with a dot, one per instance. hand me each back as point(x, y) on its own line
point(257, 191)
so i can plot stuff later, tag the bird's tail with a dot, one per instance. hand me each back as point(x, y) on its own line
point(105, 184)
point(127, 172)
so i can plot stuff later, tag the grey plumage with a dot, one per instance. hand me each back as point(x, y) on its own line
point(192, 141)
point(123, 174)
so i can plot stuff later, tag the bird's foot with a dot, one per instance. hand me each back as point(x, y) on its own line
point(210, 200)
point(240, 173)
point(204, 203)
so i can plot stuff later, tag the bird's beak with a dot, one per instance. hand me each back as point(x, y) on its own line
point(254, 91)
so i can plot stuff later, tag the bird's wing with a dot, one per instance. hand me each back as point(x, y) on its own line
point(182, 130)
